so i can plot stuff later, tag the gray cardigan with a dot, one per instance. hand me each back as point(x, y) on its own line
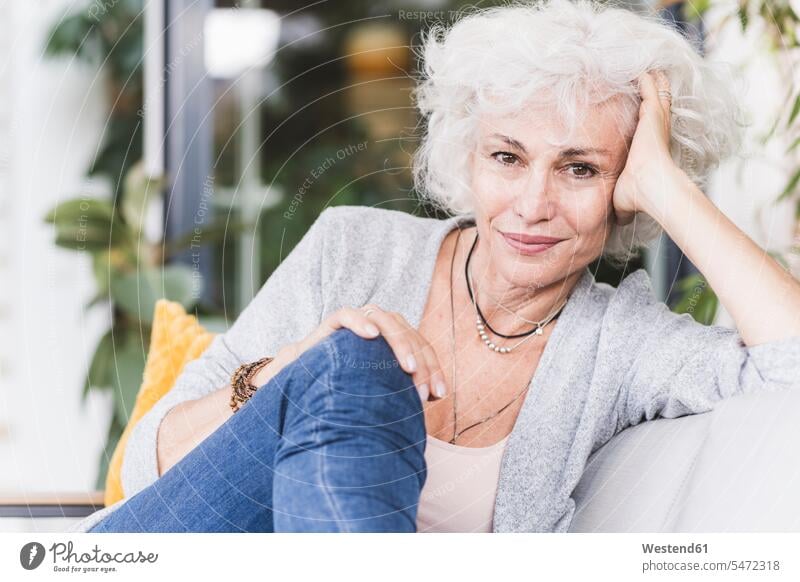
point(616, 356)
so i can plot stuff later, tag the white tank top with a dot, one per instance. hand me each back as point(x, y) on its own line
point(461, 486)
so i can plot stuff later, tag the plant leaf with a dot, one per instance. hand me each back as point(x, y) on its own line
point(795, 111)
point(86, 224)
point(698, 299)
point(99, 376)
point(791, 185)
point(128, 369)
point(73, 35)
point(743, 17)
point(115, 430)
point(120, 147)
point(75, 209)
point(137, 293)
point(87, 237)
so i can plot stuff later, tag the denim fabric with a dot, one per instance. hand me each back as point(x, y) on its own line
point(334, 442)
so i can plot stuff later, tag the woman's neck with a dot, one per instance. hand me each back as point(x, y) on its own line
point(506, 305)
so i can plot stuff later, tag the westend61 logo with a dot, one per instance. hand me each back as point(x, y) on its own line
point(65, 559)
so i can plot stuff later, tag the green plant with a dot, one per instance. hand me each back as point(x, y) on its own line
point(130, 276)
point(110, 231)
point(698, 299)
point(130, 272)
point(110, 39)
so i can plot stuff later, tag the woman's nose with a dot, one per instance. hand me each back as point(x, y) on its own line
point(533, 202)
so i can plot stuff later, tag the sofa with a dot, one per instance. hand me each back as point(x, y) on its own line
point(733, 469)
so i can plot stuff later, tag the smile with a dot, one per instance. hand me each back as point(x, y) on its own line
point(540, 244)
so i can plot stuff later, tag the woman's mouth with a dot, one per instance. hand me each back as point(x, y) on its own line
point(529, 244)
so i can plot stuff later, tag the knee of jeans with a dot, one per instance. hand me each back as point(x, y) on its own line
point(349, 382)
point(370, 365)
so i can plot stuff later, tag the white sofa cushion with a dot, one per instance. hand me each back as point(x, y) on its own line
point(734, 469)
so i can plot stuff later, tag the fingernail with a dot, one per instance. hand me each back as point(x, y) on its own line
point(412, 363)
point(424, 391)
point(440, 389)
point(372, 330)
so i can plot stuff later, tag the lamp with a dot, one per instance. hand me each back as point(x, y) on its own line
point(238, 39)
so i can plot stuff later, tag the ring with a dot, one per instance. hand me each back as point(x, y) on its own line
point(666, 94)
point(368, 311)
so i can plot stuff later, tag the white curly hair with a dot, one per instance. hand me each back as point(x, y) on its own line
point(581, 52)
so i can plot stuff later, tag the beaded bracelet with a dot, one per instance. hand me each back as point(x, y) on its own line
point(241, 388)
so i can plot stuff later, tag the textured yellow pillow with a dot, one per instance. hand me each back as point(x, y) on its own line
point(177, 338)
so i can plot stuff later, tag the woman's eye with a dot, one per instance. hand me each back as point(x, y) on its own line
point(505, 158)
point(583, 171)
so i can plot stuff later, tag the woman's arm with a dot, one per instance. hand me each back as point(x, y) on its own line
point(762, 297)
point(676, 366)
point(186, 425)
point(189, 423)
point(669, 365)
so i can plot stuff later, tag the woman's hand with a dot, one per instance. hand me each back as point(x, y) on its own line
point(649, 162)
point(762, 297)
point(414, 353)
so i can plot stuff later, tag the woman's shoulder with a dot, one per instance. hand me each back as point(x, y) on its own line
point(378, 254)
point(633, 311)
point(636, 288)
point(377, 229)
point(376, 217)
point(629, 305)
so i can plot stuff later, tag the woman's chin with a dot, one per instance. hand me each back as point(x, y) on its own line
point(538, 270)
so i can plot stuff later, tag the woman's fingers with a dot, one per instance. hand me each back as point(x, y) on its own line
point(655, 110)
point(661, 82)
point(398, 339)
point(347, 317)
point(650, 83)
point(647, 88)
point(414, 354)
point(436, 378)
point(412, 351)
point(357, 321)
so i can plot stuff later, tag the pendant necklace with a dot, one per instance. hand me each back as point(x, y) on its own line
point(540, 325)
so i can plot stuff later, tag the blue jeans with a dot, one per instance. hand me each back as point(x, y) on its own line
point(334, 442)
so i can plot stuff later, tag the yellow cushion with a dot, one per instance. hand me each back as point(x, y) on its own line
point(177, 338)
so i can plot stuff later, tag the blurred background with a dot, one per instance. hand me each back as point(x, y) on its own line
point(179, 149)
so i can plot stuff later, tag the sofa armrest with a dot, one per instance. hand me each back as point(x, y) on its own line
point(73, 504)
point(732, 469)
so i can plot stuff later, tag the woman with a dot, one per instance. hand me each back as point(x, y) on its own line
point(455, 375)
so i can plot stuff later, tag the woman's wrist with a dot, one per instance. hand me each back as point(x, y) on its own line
point(670, 193)
point(186, 425)
point(285, 355)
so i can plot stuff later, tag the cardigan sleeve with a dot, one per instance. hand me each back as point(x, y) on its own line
point(286, 309)
point(680, 366)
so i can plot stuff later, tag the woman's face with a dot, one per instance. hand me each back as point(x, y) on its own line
point(526, 183)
